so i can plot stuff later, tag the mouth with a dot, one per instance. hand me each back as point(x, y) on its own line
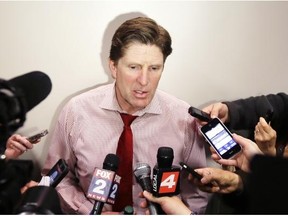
point(140, 94)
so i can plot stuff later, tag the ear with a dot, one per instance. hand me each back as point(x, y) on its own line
point(113, 68)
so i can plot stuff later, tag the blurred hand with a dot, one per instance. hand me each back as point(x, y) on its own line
point(241, 160)
point(216, 180)
point(170, 205)
point(28, 185)
point(17, 145)
point(265, 137)
point(219, 110)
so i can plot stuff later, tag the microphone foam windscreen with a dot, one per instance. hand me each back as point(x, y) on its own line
point(111, 162)
point(165, 156)
point(35, 87)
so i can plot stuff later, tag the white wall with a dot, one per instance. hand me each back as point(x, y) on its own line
point(221, 50)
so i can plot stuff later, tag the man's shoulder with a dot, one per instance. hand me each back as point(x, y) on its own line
point(93, 92)
point(170, 99)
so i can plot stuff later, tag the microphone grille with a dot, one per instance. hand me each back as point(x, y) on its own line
point(142, 170)
point(111, 162)
point(165, 156)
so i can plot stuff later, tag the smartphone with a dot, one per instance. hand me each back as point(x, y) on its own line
point(34, 138)
point(190, 170)
point(220, 138)
point(58, 172)
point(197, 113)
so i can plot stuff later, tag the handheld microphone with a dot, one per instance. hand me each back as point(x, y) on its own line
point(142, 173)
point(165, 175)
point(102, 182)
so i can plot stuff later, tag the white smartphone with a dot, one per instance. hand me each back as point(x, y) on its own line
point(220, 138)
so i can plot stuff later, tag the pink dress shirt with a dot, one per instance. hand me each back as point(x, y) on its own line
point(89, 127)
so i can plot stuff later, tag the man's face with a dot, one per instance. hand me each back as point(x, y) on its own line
point(137, 75)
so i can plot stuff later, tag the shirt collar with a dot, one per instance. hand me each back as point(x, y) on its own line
point(110, 102)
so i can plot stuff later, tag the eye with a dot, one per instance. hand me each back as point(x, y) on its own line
point(155, 68)
point(135, 67)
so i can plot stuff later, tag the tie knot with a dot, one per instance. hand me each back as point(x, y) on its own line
point(127, 119)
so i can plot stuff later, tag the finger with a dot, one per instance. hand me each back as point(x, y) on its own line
point(16, 146)
point(230, 162)
point(262, 121)
point(23, 141)
point(148, 195)
point(215, 110)
point(215, 157)
point(257, 127)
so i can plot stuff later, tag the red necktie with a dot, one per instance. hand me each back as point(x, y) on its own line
point(125, 153)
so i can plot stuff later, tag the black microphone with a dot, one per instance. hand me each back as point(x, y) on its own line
point(165, 175)
point(142, 173)
point(103, 185)
point(18, 96)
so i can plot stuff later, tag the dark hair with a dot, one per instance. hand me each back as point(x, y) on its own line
point(143, 30)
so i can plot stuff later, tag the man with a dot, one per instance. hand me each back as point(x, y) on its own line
point(90, 124)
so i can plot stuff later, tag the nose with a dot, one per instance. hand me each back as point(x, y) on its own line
point(143, 77)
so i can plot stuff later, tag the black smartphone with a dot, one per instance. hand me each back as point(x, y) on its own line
point(58, 172)
point(197, 113)
point(34, 138)
point(190, 170)
point(265, 108)
point(220, 138)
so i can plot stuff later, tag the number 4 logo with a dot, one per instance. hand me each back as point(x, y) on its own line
point(169, 182)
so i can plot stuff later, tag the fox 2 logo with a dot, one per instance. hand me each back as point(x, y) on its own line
point(169, 182)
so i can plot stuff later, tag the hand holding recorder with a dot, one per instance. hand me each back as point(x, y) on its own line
point(216, 180)
point(199, 114)
point(265, 137)
point(205, 115)
point(17, 144)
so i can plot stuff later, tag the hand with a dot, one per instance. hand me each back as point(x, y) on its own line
point(28, 185)
point(241, 160)
point(265, 137)
point(170, 205)
point(216, 180)
point(17, 145)
point(219, 110)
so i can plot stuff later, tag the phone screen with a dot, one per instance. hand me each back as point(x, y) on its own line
point(220, 138)
point(58, 172)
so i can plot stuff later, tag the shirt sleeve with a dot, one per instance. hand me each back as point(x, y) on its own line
point(194, 156)
point(72, 197)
